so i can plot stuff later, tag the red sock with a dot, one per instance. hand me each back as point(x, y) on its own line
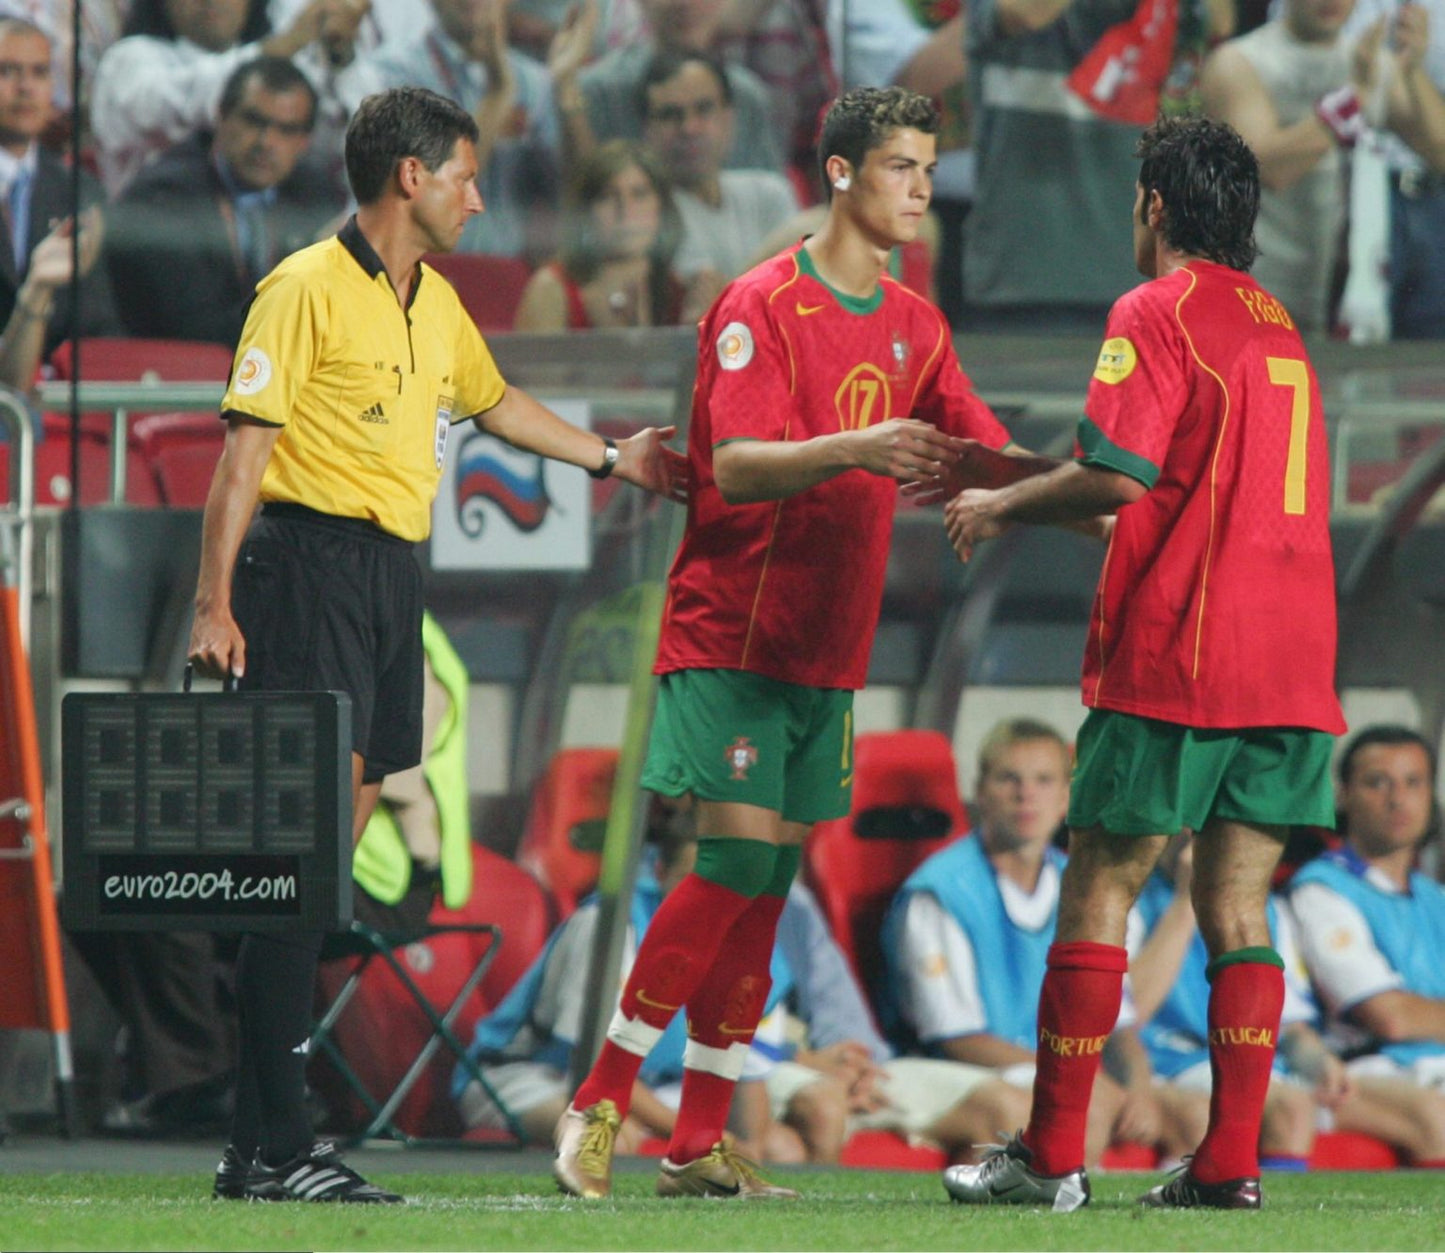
point(1245, 999)
point(721, 1018)
point(681, 943)
point(1078, 1007)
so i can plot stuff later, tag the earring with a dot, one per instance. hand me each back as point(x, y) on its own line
point(842, 183)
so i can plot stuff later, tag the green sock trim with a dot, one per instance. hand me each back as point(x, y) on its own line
point(741, 866)
point(1261, 955)
point(785, 870)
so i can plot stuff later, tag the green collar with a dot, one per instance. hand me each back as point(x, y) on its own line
point(853, 304)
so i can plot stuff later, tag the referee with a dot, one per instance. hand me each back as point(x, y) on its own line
point(354, 363)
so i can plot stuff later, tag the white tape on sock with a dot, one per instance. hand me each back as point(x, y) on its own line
point(632, 1034)
point(724, 1063)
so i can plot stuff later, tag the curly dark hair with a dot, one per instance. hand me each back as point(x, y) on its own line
point(862, 119)
point(1208, 179)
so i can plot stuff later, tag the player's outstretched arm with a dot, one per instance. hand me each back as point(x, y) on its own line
point(1068, 495)
point(643, 459)
point(750, 470)
point(978, 465)
point(217, 648)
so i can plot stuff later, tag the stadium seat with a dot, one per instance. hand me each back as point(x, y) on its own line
point(52, 467)
point(490, 286)
point(1349, 1150)
point(181, 450)
point(125, 360)
point(401, 1008)
point(905, 807)
point(569, 803)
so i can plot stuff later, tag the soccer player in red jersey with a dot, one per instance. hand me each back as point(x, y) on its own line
point(1210, 661)
point(822, 384)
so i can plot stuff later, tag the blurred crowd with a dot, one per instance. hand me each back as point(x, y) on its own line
point(638, 154)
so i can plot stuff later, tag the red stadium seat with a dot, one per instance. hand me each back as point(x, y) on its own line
point(127, 360)
point(52, 467)
point(905, 806)
point(181, 450)
point(382, 1029)
point(1349, 1150)
point(572, 797)
point(490, 286)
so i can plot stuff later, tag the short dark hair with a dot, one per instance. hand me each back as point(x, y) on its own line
point(151, 17)
point(275, 74)
point(668, 63)
point(1389, 734)
point(13, 24)
point(1208, 179)
point(862, 119)
point(404, 122)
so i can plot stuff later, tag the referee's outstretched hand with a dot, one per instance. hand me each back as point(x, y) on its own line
point(645, 459)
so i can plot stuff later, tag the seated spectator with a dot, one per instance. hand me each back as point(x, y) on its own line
point(1372, 931)
point(834, 1045)
point(100, 26)
point(691, 119)
point(612, 86)
point(1293, 90)
point(221, 209)
point(162, 82)
point(35, 193)
point(1167, 962)
point(463, 54)
point(967, 937)
point(524, 1046)
point(620, 233)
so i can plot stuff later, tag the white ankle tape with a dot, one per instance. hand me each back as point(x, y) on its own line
point(632, 1034)
point(724, 1063)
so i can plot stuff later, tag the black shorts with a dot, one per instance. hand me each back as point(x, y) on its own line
point(335, 604)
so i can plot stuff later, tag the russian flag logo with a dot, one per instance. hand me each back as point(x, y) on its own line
point(490, 471)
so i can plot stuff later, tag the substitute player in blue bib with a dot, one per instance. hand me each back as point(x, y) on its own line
point(355, 361)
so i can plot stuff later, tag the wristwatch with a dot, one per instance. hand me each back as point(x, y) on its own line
point(609, 459)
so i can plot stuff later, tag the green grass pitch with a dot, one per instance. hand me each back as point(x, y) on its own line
point(840, 1210)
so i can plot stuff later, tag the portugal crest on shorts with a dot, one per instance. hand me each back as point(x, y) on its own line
point(741, 756)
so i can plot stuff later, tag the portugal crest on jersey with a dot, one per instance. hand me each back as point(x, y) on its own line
point(741, 756)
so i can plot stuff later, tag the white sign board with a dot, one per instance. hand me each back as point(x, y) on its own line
point(502, 509)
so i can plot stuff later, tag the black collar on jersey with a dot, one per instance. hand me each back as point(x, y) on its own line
point(365, 255)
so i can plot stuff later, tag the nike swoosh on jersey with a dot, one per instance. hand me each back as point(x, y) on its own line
point(804, 310)
point(648, 1001)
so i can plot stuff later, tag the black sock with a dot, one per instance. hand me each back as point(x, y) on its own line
point(275, 975)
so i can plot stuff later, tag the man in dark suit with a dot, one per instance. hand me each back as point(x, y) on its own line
point(202, 224)
point(35, 187)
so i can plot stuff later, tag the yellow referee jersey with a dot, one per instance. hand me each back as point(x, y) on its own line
point(364, 390)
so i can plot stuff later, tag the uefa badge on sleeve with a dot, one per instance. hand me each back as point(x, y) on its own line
point(734, 346)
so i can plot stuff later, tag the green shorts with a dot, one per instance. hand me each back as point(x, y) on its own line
point(727, 735)
point(1140, 776)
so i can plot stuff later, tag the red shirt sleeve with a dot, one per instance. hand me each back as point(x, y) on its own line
point(1139, 389)
point(750, 375)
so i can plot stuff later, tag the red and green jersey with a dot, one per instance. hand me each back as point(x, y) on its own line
point(790, 589)
point(1216, 606)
